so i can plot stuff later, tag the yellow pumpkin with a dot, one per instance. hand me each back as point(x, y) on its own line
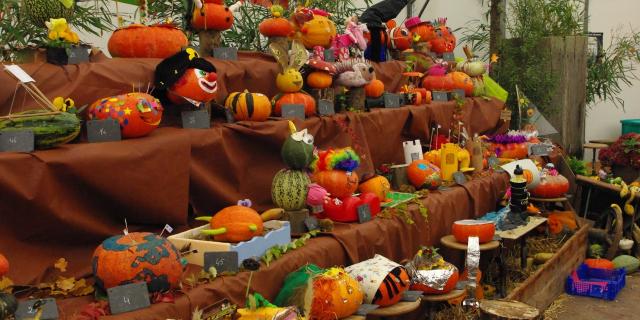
point(319, 80)
point(318, 31)
point(377, 185)
point(289, 81)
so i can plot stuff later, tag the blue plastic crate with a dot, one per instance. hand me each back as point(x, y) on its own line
point(596, 283)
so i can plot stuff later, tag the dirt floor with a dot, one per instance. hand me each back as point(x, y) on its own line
point(626, 306)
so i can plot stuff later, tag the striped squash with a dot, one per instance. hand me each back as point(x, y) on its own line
point(289, 189)
point(49, 130)
point(248, 106)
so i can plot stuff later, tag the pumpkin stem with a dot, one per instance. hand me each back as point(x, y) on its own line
point(214, 232)
point(204, 218)
point(253, 227)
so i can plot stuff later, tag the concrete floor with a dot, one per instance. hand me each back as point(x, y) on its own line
point(626, 306)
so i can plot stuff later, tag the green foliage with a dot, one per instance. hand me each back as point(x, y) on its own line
point(276, 252)
point(577, 166)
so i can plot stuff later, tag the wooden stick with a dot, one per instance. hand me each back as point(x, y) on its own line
point(48, 102)
point(11, 116)
point(43, 101)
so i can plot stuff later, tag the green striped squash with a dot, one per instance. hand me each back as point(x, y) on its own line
point(49, 130)
point(289, 189)
point(40, 11)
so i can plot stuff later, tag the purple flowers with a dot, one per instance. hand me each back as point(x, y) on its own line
point(507, 138)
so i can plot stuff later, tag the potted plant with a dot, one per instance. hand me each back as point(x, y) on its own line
point(63, 46)
point(623, 156)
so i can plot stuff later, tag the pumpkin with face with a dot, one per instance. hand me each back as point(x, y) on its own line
point(334, 170)
point(289, 80)
point(211, 16)
point(318, 31)
point(137, 113)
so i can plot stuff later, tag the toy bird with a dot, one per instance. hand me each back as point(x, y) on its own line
point(354, 73)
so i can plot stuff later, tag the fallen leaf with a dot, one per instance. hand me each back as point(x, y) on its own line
point(61, 264)
point(81, 288)
point(66, 284)
point(5, 285)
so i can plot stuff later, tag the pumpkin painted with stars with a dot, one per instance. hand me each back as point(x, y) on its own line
point(137, 257)
point(138, 113)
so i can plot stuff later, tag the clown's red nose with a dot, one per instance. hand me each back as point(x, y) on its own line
point(212, 76)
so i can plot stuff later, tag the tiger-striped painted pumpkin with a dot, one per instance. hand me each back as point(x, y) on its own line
point(289, 189)
point(382, 280)
point(248, 106)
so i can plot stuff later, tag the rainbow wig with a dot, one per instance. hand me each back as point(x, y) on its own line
point(340, 159)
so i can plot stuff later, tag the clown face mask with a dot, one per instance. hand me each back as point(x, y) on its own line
point(196, 86)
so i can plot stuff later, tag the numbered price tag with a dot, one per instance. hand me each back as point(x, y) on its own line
point(448, 56)
point(311, 223)
point(459, 178)
point(77, 55)
point(364, 213)
point(103, 130)
point(222, 261)
point(325, 107)
point(17, 141)
point(28, 309)
point(128, 297)
point(440, 96)
point(291, 111)
point(198, 119)
point(225, 53)
point(391, 100)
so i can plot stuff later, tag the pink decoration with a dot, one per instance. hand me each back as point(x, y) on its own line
point(317, 195)
point(412, 22)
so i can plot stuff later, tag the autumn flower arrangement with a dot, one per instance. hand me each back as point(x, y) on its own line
point(625, 152)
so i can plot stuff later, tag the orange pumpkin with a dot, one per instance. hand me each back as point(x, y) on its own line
point(462, 81)
point(248, 106)
point(438, 83)
point(424, 29)
point(194, 84)
point(140, 41)
point(137, 257)
point(275, 27)
point(374, 89)
point(241, 223)
point(319, 80)
point(212, 16)
point(424, 95)
point(337, 182)
point(463, 229)
point(423, 174)
point(377, 185)
point(4, 265)
point(336, 295)
point(448, 287)
point(551, 187)
point(599, 264)
point(137, 113)
point(302, 98)
point(399, 38)
point(528, 175)
point(318, 32)
point(392, 288)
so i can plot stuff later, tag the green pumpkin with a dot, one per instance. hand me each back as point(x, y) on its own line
point(297, 151)
point(289, 189)
point(8, 305)
point(629, 263)
point(40, 11)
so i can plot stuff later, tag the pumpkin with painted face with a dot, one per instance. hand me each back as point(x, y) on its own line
point(289, 81)
point(185, 77)
point(334, 170)
point(212, 16)
point(399, 37)
point(137, 113)
point(318, 32)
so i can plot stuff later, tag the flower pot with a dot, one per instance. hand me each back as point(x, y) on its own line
point(627, 173)
point(71, 55)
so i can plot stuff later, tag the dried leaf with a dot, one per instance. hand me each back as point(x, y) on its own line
point(61, 264)
point(93, 311)
point(81, 288)
point(6, 285)
point(66, 284)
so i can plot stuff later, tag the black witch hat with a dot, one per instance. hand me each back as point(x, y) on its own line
point(375, 17)
point(171, 69)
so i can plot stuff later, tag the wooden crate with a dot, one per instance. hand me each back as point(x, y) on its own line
point(546, 284)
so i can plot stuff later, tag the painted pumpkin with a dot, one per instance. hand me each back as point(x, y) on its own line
point(302, 98)
point(399, 38)
point(289, 81)
point(510, 150)
point(196, 85)
point(319, 80)
point(297, 150)
point(551, 187)
point(137, 257)
point(462, 81)
point(338, 183)
point(8, 305)
point(318, 31)
point(140, 41)
point(423, 174)
point(599, 263)
point(138, 113)
point(438, 83)
point(377, 185)
point(448, 286)
point(444, 40)
point(374, 89)
point(463, 229)
point(275, 27)
point(248, 106)
point(336, 295)
point(424, 29)
point(382, 280)
point(473, 67)
point(4, 265)
point(212, 16)
point(235, 224)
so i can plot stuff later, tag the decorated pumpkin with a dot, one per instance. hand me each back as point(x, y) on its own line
point(338, 183)
point(297, 150)
point(345, 209)
point(423, 174)
point(248, 106)
point(399, 37)
point(137, 113)
point(382, 280)
point(463, 229)
point(599, 263)
point(137, 257)
point(140, 41)
point(275, 27)
point(422, 28)
point(318, 31)
point(512, 146)
point(551, 186)
point(374, 89)
point(4, 265)
point(289, 189)
point(259, 308)
point(438, 83)
point(186, 78)
point(212, 16)
point(462, 81)
point(444, 41)
point(322, 75)
point(378, 185)
point(430, 274)
point(323, 294)
point(235, 223)
point(302, 98)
